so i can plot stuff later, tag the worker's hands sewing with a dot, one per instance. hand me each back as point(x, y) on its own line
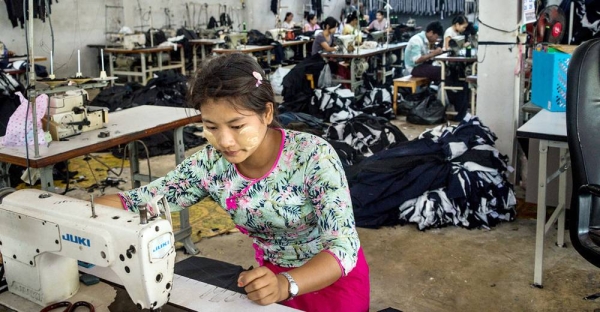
point(263, 286)
point(436, 52)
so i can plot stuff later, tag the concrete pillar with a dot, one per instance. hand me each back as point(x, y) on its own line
point(497, 105)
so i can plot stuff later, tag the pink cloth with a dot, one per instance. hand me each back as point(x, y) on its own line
point(15, 130)
point(310, 27)
point(350, 293)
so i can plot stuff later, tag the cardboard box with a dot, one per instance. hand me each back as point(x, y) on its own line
point(549, 80)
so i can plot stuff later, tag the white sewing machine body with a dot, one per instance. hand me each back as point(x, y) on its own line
point(276, 34)
point(346, 42)
point(42, 235)
point(235, 40)
point(129, 41)
point(68, 115)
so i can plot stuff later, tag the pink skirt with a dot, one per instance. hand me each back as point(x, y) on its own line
point(349, 293)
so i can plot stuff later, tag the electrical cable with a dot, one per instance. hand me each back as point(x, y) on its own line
point(497, 29)
point(68, 178)
point(109, 169)
point(27, 93)
point(125, 149)
point(50, 23)
point(147, 159)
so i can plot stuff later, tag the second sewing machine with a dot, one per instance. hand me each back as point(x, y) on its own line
point(70, 115)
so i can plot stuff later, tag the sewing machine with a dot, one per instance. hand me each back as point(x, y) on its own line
point(69, 115)
point(377, 36)
point(346, 42)
point(129, 41)
point(43, 235)
point(233, 40)
point(456, 44)
point(276, 33)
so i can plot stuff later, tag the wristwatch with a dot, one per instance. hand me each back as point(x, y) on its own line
point(293, 289)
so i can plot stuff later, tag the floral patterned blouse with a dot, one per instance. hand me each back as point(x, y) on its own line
point(301, 207)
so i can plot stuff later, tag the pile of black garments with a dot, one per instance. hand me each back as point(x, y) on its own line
point(366, 134)
point(451, 175)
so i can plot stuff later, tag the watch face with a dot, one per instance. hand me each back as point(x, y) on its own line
point(293, 289)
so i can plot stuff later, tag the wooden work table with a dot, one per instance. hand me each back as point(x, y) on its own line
point(145, 54)
point(363, 54)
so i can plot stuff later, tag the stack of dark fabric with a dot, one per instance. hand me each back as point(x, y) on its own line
point(451, 175)
point(365, 135)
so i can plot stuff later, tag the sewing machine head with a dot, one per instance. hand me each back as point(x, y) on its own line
point(233, 40)
point(69, 115)
point(276, 33)
point(346, 42)
point(377, 35)
point(456, 44)
point(129, 41)
point(43, 235)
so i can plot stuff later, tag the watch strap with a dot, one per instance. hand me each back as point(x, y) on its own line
point(292, 285)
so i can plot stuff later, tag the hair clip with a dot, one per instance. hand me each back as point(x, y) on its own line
point(258, 78)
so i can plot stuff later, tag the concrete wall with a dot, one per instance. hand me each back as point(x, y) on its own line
point(76, 24)
point(79, 23)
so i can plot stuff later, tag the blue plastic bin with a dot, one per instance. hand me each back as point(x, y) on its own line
point(549, 80)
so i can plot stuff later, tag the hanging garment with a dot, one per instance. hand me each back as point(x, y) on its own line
point(274, 6)
point(317, 7)
point(19, 130)
point(15, 11)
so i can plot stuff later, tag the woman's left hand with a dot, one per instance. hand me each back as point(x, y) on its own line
point(263, 286)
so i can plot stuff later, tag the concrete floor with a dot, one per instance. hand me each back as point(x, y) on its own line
point(449, 269)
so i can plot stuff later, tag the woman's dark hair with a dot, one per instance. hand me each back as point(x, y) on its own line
point(310, 16)
point(331, 22)
point(231, 77)
point(351, 17)
point(459, 19)
point(288, 14)
point(381, 12)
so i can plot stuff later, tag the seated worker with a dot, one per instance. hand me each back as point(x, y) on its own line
point(459, 24)
point(312, 24)
point(5, 54)
point(351, 27)
point(324, 40)
point(347, 10)
point(285, 189)
point(288, 22)
point(379, 24)
point(418, 57)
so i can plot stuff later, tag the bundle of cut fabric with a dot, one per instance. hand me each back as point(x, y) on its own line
point(451, 175)
point(366, 134)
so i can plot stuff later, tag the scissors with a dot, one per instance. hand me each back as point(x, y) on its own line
point(70, 307)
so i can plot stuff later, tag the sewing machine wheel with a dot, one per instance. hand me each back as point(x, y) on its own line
point(360, 67)
point(288, 53)
point(5, 191)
